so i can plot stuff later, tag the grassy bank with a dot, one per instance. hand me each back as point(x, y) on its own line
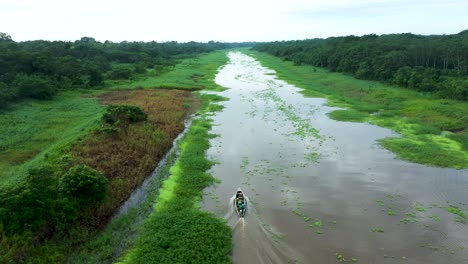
point(123, 155)
point(177, 232)
point(434, 131)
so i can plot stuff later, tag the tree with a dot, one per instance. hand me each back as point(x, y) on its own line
point(34, 86)
point(5, 37)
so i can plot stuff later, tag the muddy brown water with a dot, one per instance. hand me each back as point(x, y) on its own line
point(323, 191)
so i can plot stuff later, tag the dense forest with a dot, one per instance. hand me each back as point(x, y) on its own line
point(435, 63)
point(38, 69)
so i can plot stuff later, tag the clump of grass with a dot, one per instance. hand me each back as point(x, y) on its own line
point(348, 115)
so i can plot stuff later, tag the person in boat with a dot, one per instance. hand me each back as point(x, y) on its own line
point(241, 205)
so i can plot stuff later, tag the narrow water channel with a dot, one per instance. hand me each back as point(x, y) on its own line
point(324, 191)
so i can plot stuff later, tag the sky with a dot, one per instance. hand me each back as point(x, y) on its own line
point(226, 20)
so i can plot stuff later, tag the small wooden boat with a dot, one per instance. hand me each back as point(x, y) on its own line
point(240, 203)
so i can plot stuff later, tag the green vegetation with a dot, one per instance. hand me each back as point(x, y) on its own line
point(434, 130)
point(191, 73)
point(34, 128)
point(80, 169)
point(39, 69)
point(377, 230)
point(177, 231)
point(460, 216)
point(348, 115)
point(436, 63)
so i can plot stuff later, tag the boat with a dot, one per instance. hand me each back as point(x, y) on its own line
point(238, 205)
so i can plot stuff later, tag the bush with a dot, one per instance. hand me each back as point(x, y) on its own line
point(84, 184)
point(121, 72)
point(34, 86)
point(140, 68)
point(27, 206)
point(123, 115)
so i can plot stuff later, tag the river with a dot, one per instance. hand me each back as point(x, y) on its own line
point(324, 191)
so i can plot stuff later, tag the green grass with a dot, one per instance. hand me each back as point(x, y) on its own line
point(34, 128)
point(177, 231)
point(193, 74)
point(434, 131)
point(348, 115)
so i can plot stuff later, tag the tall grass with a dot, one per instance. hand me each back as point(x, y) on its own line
point(434, 130)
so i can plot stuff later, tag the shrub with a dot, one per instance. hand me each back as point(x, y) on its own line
point(26, 206)
point(84, 184)
point(123, 115)
point(121, 72)
point(34, 86)
point(140, 68)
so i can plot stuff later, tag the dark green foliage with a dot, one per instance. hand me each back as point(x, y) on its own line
point(121, 72)
point(26, 207)
point(47, 200)
point(436, 63)
point(34, 87)
point(84, 184)
point(38, 67)
point(123, 115)
point(140, 68)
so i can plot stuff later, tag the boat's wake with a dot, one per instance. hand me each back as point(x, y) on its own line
point(251, 230)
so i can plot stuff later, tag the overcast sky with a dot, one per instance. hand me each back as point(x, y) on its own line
point(220, 20)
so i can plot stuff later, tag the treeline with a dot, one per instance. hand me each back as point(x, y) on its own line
point(38, 69)
point(436, 63)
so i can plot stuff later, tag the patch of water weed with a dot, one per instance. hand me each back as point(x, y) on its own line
point(313, 156)
point(377, 230)
point(460, 216)
point(341, 258)
point(410, 218)
point(380, 202)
